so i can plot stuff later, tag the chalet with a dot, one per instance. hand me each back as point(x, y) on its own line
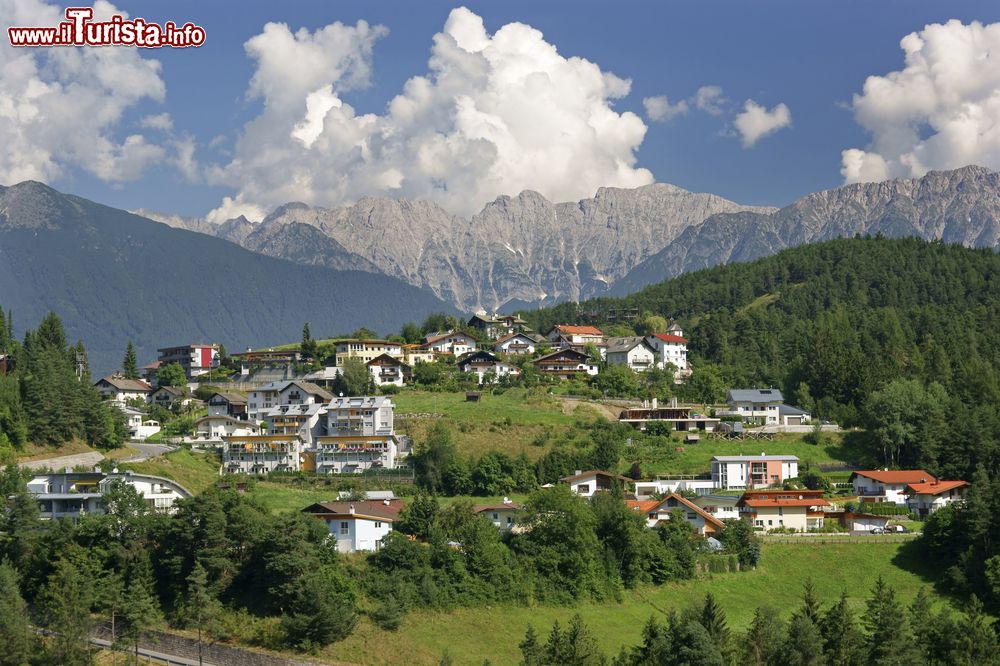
point(566, 364)
point(503, 516)
point(883, 485)
point(489, 326)
point(798, 510)
point(217, 427)
point(294, 392)
point(196, 359)
point(366, 350)
point(72, 494)
point(632, 352)
point(484, 365)
point(228, 404)
point(388, 369)
point(140, 426)
point(149, 371)
point(925, 498)
point(721, 507)
point(656, 511)
point(360, 435)
point(264, 360)
point(758, 406)
point(115, 388)
point(588, 483)
point(736, 472)
point(517, 343)
point(677, 417)
point(670, 349)
point(357, 526)
point(450, 343)
point(167, 397)
point(565, 335)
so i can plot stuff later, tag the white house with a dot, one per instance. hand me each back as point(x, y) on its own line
point(646, 489)
point(722, 507)
point(274, 394)
point(760, 406)
point(737, 472)
point(503, 516)
point(357, 526)
point(798, 510)
point(450, 343)
point(140, 426)
point(360, 435)
point(926, 498)
point(656, 511)
point(588, 483)
point(366, 350)
point(882, 485)
point(119, 390)
point(483, 363)
point(670, 348)
point(72, 494)
point(216, 427)
point(515, 344)
point(566, 364)
point(387, 370)
point(633, 352)
point(565, 335)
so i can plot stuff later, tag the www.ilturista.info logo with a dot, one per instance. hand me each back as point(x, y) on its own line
point(79, 30)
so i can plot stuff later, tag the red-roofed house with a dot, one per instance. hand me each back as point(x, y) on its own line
point(670, 348)
point(799, 510)
point(882, 485)
point(658, 510)
point(926, 498)
point(563, 336)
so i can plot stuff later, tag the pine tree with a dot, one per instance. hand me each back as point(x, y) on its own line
point(16, 636)
point(889, 639)
point(804, 645)
point(201, 609)
point(810, 604)
point(843, 643)
point(531, 649)
point(764, 638)
point(66, 600)
point(139, 608)
point(977, 643)
point(713, 618)
point(130, 364)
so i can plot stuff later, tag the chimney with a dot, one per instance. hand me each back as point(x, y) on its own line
point(579, 472)
point(350, 510)
point(507, 500)
point(386, 502)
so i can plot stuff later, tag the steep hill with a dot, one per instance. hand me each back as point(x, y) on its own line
point(960, 206)
point(115, 276)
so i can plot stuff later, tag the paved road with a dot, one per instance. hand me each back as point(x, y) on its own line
point(147, 451)
point(89, 459)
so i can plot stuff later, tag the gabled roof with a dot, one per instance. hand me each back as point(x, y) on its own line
point(789, 410)
point(473, 355)
point(511, 336)
point(707, 517)
point(193, 345)
point(576, 330)
point(617, 345)
point(310, 388)
point(508, 506)
point(228, 419)
point(386, 359)
point(934, 487)
point(669, 337)
point(172, 390)
point(755, 395)
point(896, 476)
point(791, 498)
point(432, 339)
point(563, 352)
point(387, 510)
point(123, 384)
point(231, 398)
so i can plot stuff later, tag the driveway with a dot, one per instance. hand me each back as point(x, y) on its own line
point(147, 451)
point(89, 459)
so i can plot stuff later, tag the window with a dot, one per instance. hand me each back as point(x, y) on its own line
point(510, 520)
point(770, 522)
point(496, 516)
point(583, 488)
point(345, 527)
point(378, 524)
point(781, 510)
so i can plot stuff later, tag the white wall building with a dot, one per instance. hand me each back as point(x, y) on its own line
point(588, 483)
point(759, 406)
point(926, 498)
point(483, 363)
point(275, 394)
point(260, 454)
point(670, 348)
point(217, 427)
point(357, 526)
point(722, 507)
point(883, 485)
point(119, 390)
point(515, 344)
point(633, 352)
point(360, 435)
point(503, 516)
point(450, 343)
point(72, 494)
point(739, 472)
point(646, 489)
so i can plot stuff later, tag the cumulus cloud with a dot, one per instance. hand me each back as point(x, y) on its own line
point(494, 114)
point(60, 107)
point(940, 111)
point(161, 121)
point(710, 100)
point(659, 109)
point(755, 121)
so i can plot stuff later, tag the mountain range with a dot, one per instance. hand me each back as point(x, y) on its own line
point(526, 251)
point(113, 276)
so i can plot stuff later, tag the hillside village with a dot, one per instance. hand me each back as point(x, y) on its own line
point(283, 410)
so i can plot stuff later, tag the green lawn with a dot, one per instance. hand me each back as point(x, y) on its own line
point(194, 471)
point(470, 635)
point(696, 458)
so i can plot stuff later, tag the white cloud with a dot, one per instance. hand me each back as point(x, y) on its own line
point(60, 107)
point(495, 114)
point(941, 111)
point(755, 121)
point(710, 100)
point(659, 109)
point(161, 121)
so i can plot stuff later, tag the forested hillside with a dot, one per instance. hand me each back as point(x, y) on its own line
point(900, 336)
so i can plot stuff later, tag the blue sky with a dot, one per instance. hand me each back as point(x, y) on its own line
point(811, 56)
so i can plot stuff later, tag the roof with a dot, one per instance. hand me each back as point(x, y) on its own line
point(293, 410)
point(896, 476)
point(311, 388)
point(563, 352)
point(754, 458)
point(359, 401)
point(642, 506)
point(172, 390)
point(511, 336)
point(123, 384)
point(152, 366)
point(625, 344)
point(386, 359)
point(595, 472)
point(708, 518)
point(431, 339)
point(670, 337)
point(368, 341)
point(387, 510)
point(231, 398)
point(228, 419)
point(470, 356)
point(193, 345)
point(761, 502)
point(789, 410)
point(577, 330)
point(791, 498)
point(934, 487)
point(755, 395)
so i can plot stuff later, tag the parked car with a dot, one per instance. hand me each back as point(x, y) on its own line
point(877, 530)
point(896, 529)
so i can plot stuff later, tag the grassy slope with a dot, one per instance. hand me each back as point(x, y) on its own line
point(696, 458)
point(194, 471)
point(470, 635)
